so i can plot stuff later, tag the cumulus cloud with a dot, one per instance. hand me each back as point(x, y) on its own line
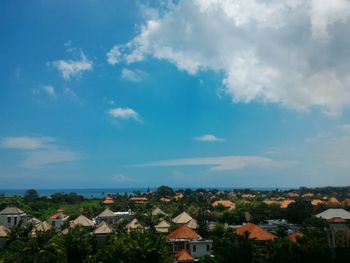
point(208, 138)
point(39, 152)
point(223, 163)
point(291, 52)
point(73, 68)
point(114, 55)
point(124, 113)
point(133, 75)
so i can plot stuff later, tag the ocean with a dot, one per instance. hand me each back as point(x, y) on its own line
point(102, 192)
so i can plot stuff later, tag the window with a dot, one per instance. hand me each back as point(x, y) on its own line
point(15, 221)
point(175, 248)
point(9, 220)
point(208, 247)
point(194, 249)
point(188, 246)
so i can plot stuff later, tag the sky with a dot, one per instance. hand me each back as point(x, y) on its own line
point(201, 93)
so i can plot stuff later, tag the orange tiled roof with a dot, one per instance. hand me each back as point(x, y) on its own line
point(183, 256)
point(333, 201)
point(224, 203)
point(138, 199)
point(56, 216)
point(255, 232)
point(59, 210)
point(108, 200)
point(294, 236)
point(247, 196)
point(183, 232)
point(316, 202)
point(286, 203)
point(165, 200)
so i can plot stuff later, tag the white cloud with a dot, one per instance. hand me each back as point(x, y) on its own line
point(26, 143)
point(124, 113)
point(122, 179)
point(114, 55)
point(135, 75)
point(345, 127)
point(73, 68)
point(325, 13)
point(39, 152)
point(268, 51)
point(223, 163)
point(43, 158)
point(208, 138)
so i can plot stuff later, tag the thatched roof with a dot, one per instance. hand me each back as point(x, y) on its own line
point(182, 218)
point(106, 213)
point(82, 221)
point(103, 229)
point(11, 211)
point(158, 211)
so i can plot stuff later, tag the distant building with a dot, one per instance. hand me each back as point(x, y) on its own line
point(102, 231)
point(57, 220)
point(82, 221)
point(338, 233)
point(316, 202)
point(41, 227)
point(12, 216)
point(185, 219)
point(108, 201)
point(139, 200)
point(334, 213)
point(188, 245)
point(134, 225)
point(158, 212)
point(225, 203)
point(165, 200)
point(162, 227)
point(107, 216)
point(4, 234)
point(254, 232)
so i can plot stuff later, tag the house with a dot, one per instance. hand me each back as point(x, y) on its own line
point(254, 232)
point(12, 216)
point(178, 196)
point(346, 202)
point(134, 225)
point(185, 238)
point(286, 203)
point(125, 215)
point(82, 221)
point(165, 200)
point(162, 227)
point(57, 220)
point(107, 215)
point(108, 201)
point(338, 233)
point(185, 219)
point(225, 203)
point(102, 231)
point(247, 196)
point(33, 221)
point(334, 213)
point(333, 202)
point(293, 195)
point(158, 212)
point(316, 202)
point(40, 227)
point(139, 200)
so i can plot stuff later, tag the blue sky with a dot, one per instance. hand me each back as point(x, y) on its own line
point(191, 93)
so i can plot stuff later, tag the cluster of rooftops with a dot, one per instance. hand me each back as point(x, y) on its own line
point(187, 245)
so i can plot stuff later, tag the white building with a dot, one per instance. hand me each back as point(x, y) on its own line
point(12, 216)
point(57, 220)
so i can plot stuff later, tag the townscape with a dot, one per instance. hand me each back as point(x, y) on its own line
point(163, 225)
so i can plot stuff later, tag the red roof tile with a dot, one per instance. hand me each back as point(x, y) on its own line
point(183, 232)
point(255, 232)
point(183, 256)
point(337, 220)
point(294, 236)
